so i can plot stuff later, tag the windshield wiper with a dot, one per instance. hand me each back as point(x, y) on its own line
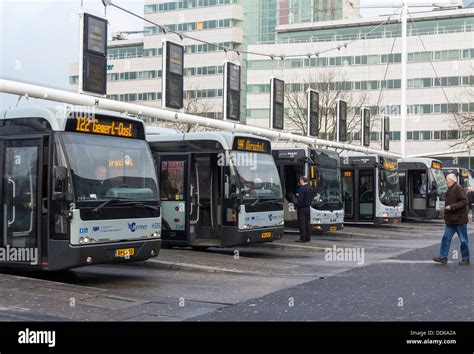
point(264, 201)
point(140, 205)
point(104, 204)
point(124, 202)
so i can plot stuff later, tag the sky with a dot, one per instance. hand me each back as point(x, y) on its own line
point(39, 38)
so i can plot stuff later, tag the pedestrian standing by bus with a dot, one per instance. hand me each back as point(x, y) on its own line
point(456, 218)
point(305, 199)
point(470, 202)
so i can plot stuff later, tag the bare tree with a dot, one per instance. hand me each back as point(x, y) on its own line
point(194, 105)
point(330, 88)
point(463, 121)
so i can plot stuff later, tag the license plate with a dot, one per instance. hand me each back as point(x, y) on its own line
point(333, 228)
point(125, 252)
point(266, 234)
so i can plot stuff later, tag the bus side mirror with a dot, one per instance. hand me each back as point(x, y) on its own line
point(60, 179)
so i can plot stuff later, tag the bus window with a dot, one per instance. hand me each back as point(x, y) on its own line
point(172, 180)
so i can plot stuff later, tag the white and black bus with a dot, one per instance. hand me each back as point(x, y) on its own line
point(77, 188)
point(371, 189)
point(423, 187)
point(218, 189)
point(463, 175)
point(322, 167)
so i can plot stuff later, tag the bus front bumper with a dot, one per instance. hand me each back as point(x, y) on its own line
point(327, 227)
point(64, 256)
point(387, 220)
point(236, 237)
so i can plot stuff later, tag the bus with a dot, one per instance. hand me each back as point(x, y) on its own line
point(218, 189)
point(77, 188)
point(370, 189)
point(423, 187)
point(323, 170)
point(463, 175)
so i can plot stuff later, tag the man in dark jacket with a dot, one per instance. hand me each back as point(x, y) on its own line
point(456, 218)
point(302, 205)
point(470, 202)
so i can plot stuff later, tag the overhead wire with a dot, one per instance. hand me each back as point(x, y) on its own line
point(183, 36)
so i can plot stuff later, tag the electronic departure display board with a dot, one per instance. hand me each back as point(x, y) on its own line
point(365, 131)
point(341, 121)
point(173, 75)
point(386, 133)
point(231, 91)
point(94, 73)
point(313, 113)
point(175, 58)
point(99, 124)
point(277, 104)
point(174, 92)
point(94, 54)
point(252, 145)
point(95, 34)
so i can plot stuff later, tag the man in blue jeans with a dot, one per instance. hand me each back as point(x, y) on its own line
point(456, 218)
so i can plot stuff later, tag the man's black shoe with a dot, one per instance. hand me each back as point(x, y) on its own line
point(465, 262)
point(441, 260)
point(300, 241)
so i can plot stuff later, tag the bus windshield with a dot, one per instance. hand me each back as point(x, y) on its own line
point(327, 188)
point(105, 168)
point(440, 181)
point(389, 191)
point(258, 175)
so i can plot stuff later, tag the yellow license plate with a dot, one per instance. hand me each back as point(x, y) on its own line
point(125, 252)
point(266, 234)
point(333, 228)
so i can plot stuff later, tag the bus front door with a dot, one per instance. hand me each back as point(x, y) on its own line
point(366, 195)
point(21, 168)
point(404, 195)
point(208, 219)
point(348, 194)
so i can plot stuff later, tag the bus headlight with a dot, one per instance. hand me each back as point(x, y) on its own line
point(385, 215)
point(282, 222)
point(86, 240)
point(316, 221)
point(156, 234)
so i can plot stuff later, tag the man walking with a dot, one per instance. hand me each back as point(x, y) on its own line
point(470, 202)
point(455, 216)
point(302, 205)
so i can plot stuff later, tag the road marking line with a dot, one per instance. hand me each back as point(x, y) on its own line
point(322, 249)
point(202, 267)
point(402, 261)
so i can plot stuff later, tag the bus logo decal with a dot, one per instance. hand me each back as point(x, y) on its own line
point(134, 227)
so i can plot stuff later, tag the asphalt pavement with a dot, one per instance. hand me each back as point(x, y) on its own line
point(409, 287)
